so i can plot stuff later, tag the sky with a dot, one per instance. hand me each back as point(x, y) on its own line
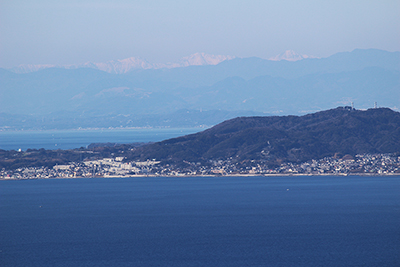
point(72, 32)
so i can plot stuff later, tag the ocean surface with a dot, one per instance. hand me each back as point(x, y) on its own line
point(69, 139)
point(199, 221)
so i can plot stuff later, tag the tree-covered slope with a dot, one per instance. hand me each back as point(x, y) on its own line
point(289, 138)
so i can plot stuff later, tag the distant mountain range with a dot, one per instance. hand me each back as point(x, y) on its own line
point(277, 139)
point(88, 97)
point(125, 65)
point(132, 63)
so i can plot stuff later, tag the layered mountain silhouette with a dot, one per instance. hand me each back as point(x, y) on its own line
point(247, 85)
point(276, 139)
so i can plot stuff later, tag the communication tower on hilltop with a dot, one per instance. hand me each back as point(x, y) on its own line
point(352, 105)
point(375, 105)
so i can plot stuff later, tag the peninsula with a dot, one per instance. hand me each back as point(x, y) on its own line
point(339, 141)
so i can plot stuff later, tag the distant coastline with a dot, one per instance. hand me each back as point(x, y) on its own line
point(8, 129)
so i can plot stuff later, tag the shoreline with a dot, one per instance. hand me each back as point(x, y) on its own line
point(209, 176)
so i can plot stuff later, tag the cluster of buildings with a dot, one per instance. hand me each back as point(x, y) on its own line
point(366, 164)
point(106, 167)
point(376, 164)
point(362, 164)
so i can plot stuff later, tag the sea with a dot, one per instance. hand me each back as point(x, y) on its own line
point(201, 221)
point(70, 139)
point(193, 221)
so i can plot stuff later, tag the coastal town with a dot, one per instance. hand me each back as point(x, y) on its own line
point(362, 164)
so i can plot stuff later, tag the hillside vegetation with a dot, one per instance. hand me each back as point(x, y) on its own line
point(339, 132)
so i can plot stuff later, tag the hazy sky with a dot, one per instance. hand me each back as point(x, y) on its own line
point(69, 31)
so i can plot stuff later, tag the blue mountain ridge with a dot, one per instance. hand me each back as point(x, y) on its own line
point(249, 85)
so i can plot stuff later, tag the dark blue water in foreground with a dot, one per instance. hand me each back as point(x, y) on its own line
point(227, 221)
point(69, 139)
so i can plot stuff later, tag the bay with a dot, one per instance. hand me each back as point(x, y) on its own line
point(199, 221)
point(69, 139)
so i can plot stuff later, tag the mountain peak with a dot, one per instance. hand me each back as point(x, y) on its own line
point(196, 59)
point(290, 55)
point(204, 59)
point(119, 66)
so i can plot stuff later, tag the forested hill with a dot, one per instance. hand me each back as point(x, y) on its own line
point(339, 132)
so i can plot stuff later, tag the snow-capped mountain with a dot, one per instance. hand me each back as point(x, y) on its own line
point(203, 59)
point(125, 65)
point(290, 55)
point(119, 66)
point(197, 59)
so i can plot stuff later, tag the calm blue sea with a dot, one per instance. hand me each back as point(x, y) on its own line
point(220, 221)
point(69, 139)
